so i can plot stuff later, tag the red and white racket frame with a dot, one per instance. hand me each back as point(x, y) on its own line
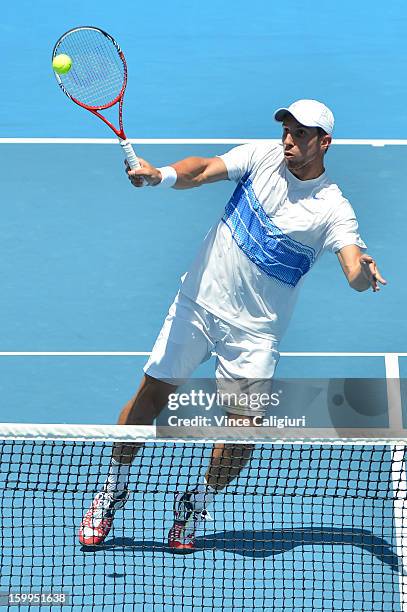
point(125, 144)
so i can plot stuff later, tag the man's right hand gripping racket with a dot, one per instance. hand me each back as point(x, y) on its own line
point(97, 78)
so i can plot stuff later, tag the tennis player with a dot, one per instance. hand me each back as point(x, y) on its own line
point(238, 296)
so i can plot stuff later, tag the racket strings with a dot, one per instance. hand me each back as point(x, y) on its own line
point(98, 72)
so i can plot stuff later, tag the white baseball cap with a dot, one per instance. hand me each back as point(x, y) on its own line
point(310, 113)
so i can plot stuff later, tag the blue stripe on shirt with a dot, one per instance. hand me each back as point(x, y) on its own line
point(276, 254)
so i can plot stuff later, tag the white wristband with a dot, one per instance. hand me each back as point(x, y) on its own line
point(168, 176)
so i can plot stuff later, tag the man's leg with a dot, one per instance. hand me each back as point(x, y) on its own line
point(182, 344)
point(227, 461)
point(245, 363)
point(142, 409)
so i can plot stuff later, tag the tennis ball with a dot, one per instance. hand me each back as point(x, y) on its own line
point(62, 63)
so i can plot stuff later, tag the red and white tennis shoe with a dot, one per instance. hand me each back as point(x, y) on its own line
point(181, 537)
point(98, 520)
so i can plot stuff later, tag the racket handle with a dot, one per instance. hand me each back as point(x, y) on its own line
point(130, 154)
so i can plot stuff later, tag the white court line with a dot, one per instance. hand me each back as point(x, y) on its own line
point(74, 354)
point(400, 517)
point(399, 476)
point(147, 353)
point(393, 390)
point(374, 142)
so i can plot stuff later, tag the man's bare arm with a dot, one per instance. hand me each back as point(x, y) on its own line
point(196, 171)
point(191, 172)
point(360, 269)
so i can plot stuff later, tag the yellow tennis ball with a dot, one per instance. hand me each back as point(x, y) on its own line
point(62, 63)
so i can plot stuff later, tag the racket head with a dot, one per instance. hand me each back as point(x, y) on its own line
point(98, 77)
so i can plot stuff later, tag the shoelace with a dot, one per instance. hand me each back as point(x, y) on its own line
point(107, 500)
point(203, 515)
point(177, 529)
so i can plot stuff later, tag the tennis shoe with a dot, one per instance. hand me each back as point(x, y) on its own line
point(98, 520)
point(181, 537)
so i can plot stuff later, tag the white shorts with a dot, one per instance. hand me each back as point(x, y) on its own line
point(189, 336)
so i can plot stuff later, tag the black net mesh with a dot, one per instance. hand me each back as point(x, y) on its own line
point(302, 528)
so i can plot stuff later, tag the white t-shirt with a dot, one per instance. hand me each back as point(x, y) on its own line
point(275, 226)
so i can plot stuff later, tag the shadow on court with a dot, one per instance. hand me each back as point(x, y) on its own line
point(268, 543)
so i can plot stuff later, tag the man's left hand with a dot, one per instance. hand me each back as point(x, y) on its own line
point(371, 272)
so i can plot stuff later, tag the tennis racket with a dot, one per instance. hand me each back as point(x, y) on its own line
point(98, 77)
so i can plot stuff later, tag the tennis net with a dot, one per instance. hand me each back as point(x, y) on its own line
point(305, 526)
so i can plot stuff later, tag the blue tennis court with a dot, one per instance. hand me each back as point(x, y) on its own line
point(89, 267)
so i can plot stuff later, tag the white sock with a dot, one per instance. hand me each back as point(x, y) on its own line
point(202, 496)
point(118, 477)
